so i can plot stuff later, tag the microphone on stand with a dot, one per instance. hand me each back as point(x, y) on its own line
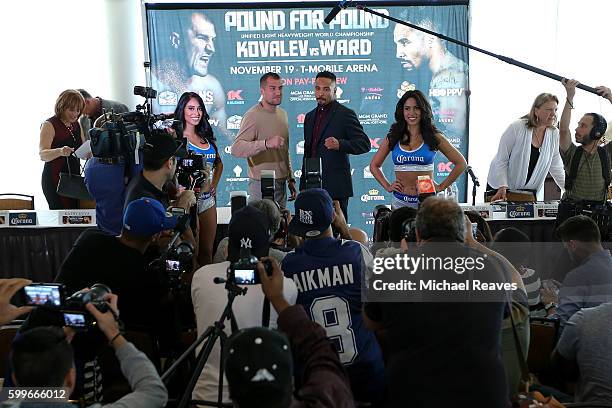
point(473, 176)
point(334, 12)
point(475, 183)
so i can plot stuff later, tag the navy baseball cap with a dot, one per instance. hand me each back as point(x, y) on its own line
point(160, 145)
point(314, 212)
point(248, 229)
point(146, 217)
point(259, 367)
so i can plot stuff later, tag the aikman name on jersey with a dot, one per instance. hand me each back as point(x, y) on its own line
point(335, 275)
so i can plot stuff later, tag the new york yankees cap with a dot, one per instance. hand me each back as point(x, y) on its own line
point(248, 228)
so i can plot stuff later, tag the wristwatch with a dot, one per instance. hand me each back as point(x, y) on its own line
point(549, 306)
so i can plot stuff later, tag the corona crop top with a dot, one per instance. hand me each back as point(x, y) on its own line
point(420, 159)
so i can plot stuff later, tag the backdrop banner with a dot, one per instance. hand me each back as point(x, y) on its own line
point(221, 53)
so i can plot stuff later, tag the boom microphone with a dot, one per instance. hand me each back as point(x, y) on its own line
point(334, 12)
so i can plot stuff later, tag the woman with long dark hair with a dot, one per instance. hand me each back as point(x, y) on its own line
point(413, 142)
point(191, 111)
point(60, 136)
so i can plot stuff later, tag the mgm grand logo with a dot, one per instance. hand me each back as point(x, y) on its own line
point(22, 219)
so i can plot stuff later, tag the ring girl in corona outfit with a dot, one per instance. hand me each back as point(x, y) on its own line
point(413, 142)
point(198, 132)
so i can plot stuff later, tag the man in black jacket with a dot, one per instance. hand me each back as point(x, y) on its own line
point(332, 132)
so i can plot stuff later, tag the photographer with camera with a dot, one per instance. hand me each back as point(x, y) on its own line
point(43, 357)
point(160, 157)
point(115, 134)
point(119, 262)
point(249, 240)
point(94, 109)
point(259, 364)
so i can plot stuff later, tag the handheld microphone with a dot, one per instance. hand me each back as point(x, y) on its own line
point(334, 12)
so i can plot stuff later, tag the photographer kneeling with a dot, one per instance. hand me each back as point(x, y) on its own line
point(43, 357)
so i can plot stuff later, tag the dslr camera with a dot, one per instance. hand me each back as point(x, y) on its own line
point(75, 315)
point(176, 259)
point(244, 270)
point(192, 172)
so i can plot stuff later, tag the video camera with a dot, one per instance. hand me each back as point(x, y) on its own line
point(122, 135)
point(192, 172)
point(75, 315)
point(244, 270)
point(176, 259)
point(313, 173)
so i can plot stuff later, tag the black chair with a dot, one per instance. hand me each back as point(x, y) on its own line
point(543, 339)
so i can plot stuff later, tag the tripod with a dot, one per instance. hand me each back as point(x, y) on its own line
point(211, 334)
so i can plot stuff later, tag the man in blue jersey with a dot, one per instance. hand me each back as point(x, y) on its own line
point(328, 273)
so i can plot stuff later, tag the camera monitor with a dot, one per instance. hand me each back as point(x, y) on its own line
point(44, 294)
point(75, 320)
point(246, 276)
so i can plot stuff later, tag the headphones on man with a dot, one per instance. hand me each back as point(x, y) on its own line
point(599, 126)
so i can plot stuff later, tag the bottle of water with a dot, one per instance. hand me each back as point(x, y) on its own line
point(452, 192)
